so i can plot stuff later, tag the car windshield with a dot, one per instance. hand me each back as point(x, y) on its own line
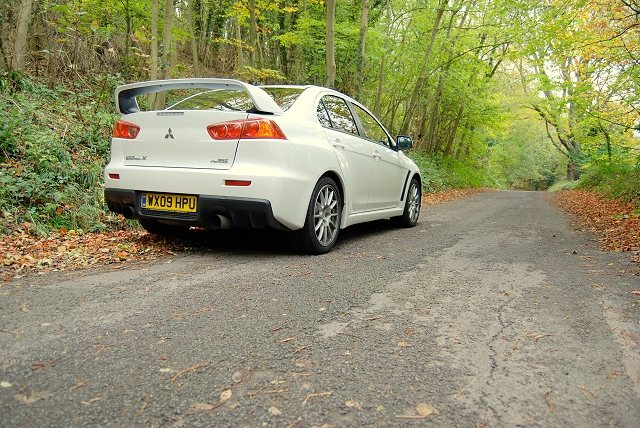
point(236, 100)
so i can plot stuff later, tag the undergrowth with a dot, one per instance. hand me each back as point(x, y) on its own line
point(54, 144)
point(619, 180)
point(440, 174)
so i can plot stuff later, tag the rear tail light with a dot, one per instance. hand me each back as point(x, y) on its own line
point(126, 130)
point(246, 129)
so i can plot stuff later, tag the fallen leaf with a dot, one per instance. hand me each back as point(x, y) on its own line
point(404, 345)
point(167, 370)
point(5, 384)
point(351, 403)
point(380, 408)
point(35, 396)
point(200, 407)
point(636, 292)
point(274, 411)
point(238, 377)
point(225, 395)
point(425, 410)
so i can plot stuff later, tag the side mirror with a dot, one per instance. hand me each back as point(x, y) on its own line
point(404, 142)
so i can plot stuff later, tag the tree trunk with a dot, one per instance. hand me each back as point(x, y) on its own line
point(22, 32)
point(253, 33)
point(194, 41)
point(433, 139)
point(364, 19)
point(239, 46)
point(153, 67)
point(383, 59)
point(331, 48)
point(571, 170)
point(127, 38)
point(166, 50)
point(421, 76)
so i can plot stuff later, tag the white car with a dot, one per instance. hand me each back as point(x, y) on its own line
point(303, 159)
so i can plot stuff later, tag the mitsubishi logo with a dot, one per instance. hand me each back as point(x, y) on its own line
point(169, 135)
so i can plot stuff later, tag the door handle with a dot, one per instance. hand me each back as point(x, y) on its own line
point(377, 156)
point(337, 144)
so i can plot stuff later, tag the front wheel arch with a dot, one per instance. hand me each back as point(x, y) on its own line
point(412, 205)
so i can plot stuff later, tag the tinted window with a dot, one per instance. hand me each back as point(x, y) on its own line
point(340, 114)
point(284, 97)
point(372, 129)
point(219, 99)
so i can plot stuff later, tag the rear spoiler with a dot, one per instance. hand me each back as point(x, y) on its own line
point(126, 94)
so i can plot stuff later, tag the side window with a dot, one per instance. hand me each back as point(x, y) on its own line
point(372, 129)
point(323, 116)
point(340, 114)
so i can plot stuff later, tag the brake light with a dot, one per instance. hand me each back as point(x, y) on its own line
point(246, 129)
point(126, 130)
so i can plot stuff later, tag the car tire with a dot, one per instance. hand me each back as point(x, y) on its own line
point(413, 202)
point(157, 228)
point(322, 223)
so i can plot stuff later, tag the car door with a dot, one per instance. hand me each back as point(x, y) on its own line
point(389, 174)
point(354, 153)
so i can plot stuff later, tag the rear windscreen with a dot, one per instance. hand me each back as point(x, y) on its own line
point(235, 100)
point(218, 99)
point(283, 96)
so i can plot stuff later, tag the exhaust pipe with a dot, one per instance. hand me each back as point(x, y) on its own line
point(128, 212)
point(219, 221)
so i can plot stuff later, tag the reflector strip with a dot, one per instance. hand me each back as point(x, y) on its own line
point(237, 183)
point(114, 176)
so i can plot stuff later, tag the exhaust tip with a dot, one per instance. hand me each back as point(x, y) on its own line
point(219, 221)
point(128, 212)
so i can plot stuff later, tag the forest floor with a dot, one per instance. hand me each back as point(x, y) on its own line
point(25, 253)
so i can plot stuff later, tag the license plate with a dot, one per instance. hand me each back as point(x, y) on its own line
point(168, 202)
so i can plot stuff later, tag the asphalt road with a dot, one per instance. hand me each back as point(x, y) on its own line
point(491, 311)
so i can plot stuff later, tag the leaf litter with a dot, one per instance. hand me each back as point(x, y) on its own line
point(617, 223)
point(25, 252)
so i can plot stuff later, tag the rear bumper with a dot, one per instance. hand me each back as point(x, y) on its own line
point(242, 212)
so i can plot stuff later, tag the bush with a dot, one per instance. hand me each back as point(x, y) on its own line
point(441, 174)
point(54, 144)
point(619, 180)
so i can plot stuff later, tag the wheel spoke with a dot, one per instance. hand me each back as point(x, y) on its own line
point(326, 215)
point(414, 203)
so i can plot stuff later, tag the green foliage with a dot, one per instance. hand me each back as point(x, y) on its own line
point(617, 180)
point(54, 145)
point(440, 174)
point(522, 155)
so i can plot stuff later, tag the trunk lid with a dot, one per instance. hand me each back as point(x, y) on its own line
point(179, 139)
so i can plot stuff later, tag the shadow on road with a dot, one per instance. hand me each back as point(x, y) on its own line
point(267, 241)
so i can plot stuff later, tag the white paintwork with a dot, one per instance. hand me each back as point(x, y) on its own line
point(281, 171)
